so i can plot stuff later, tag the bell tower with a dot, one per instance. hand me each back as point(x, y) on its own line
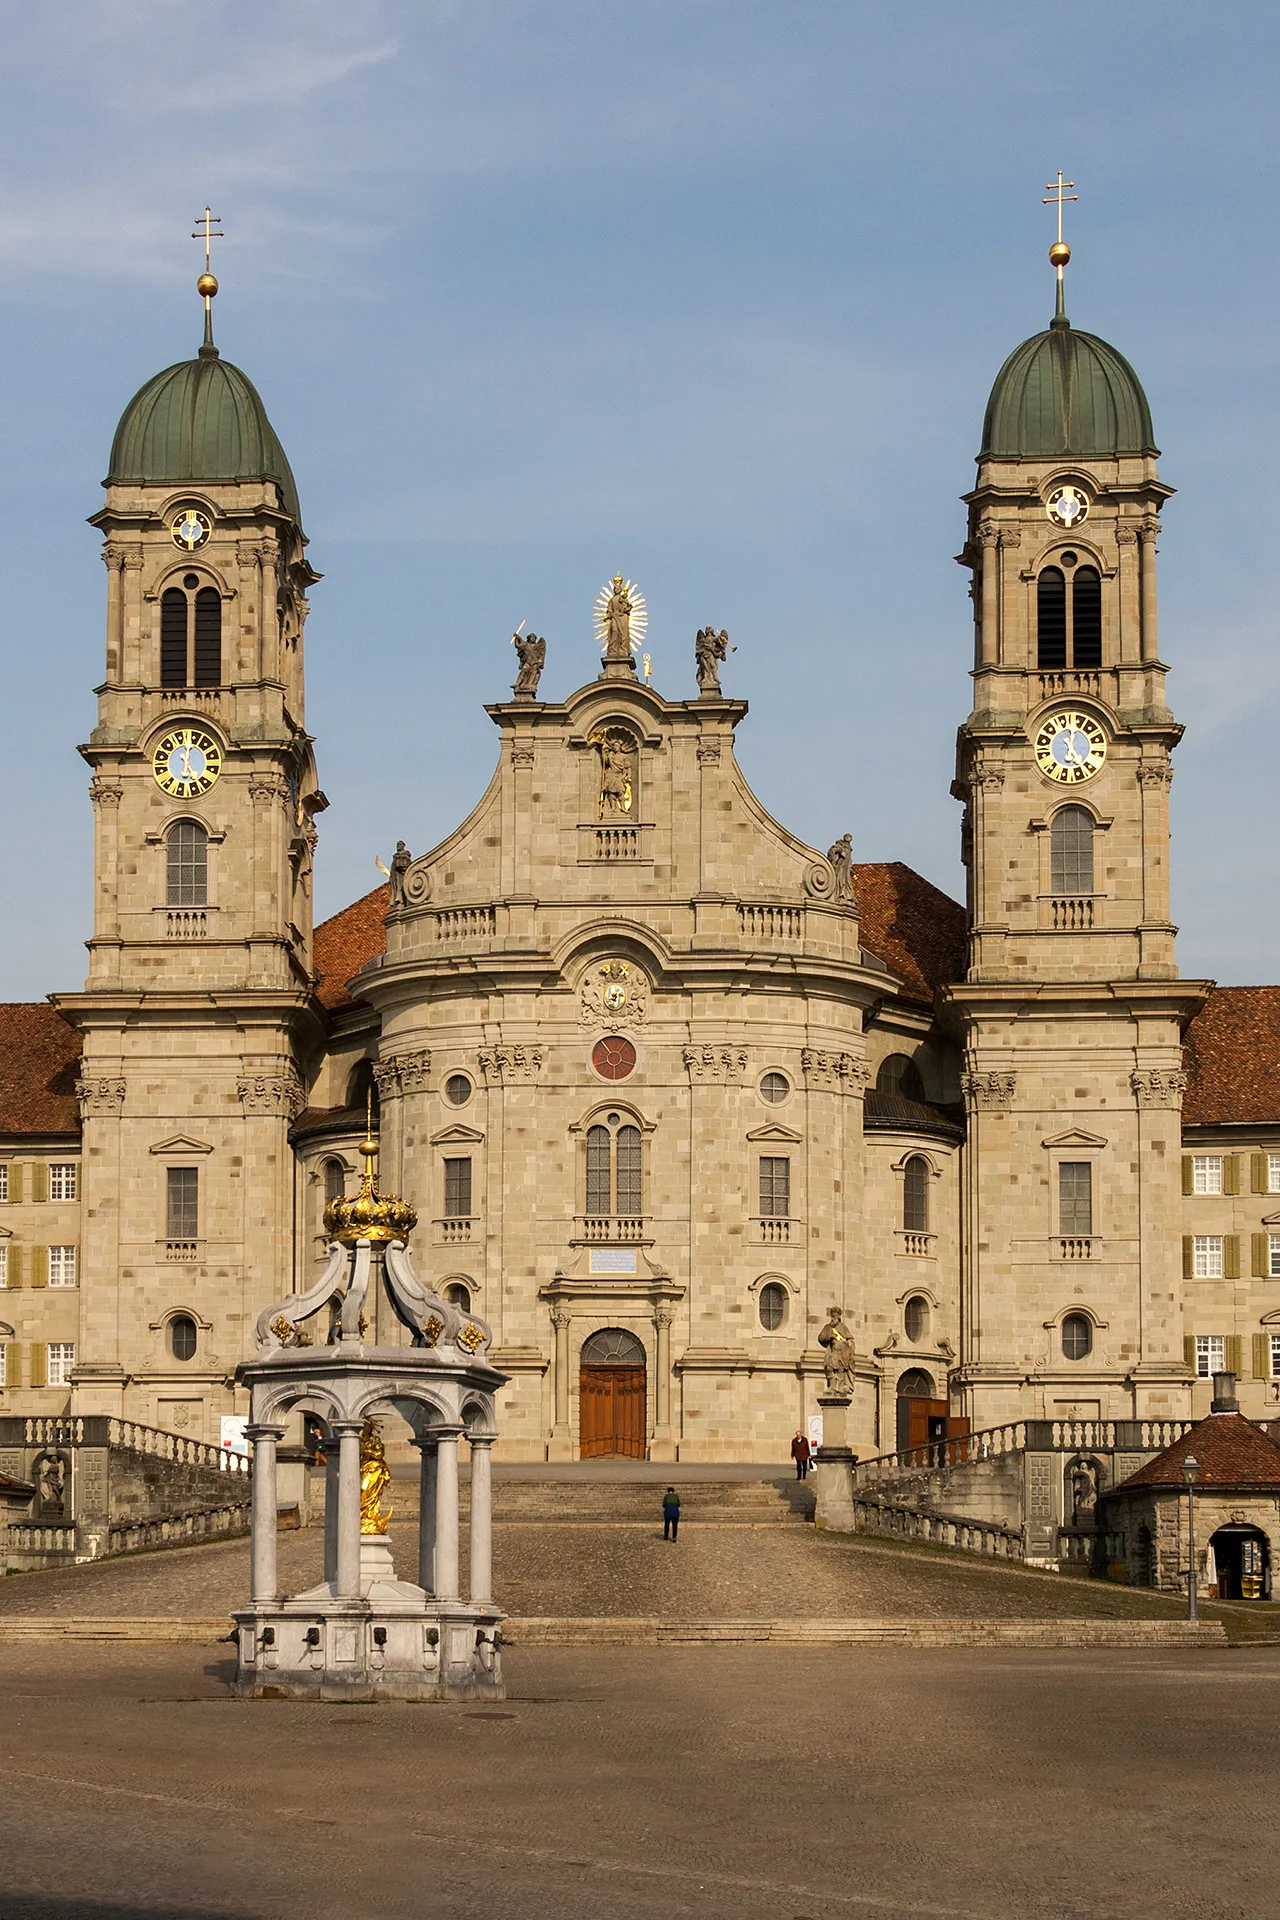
point(1071, 1011)
point(197, 1011)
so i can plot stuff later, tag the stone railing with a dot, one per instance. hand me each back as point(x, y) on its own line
point(167, 1446)
point(940, 1529)
point(1071, 913)
point(32, 1537)
point(600, 1230)
point(919, 1245)
point(187, 923)
point(453, 1230)
point(1024, 1436)
point(466, 923)
point(771, 923)
point(1075, 1246)
point(617, 843)
point(136, 1536)
point(1078, 680)
point(771, 1230)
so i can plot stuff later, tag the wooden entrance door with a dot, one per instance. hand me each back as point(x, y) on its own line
point(612, 1420)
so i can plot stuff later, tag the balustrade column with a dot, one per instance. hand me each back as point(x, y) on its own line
point(262, 1580)
point(427, 1516)
point(481, 1520)
point(348, 1580)
point(446, 1587)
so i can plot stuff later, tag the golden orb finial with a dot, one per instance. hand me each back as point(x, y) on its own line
point(206, 286)
point(1059, 254)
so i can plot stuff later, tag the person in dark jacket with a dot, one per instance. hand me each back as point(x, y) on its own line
point(800, 1453)
point(670, 1514)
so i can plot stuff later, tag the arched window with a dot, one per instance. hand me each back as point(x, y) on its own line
point(458, 1296)
point(615, 1169)
point(1086, 617)
point(183, 1336)
point(1077, 1335)
point(1071, 851)
point(915, 1195)
point(899, 1074)
point(361, 1087)
point(186, 865)
point(191, 635)
point(335, 1180)
point(1051, 618)
point(773, 1305)
point(915, 1317)
point(613, 1347)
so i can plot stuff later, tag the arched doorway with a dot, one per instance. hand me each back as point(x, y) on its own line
point(1242, 1557)
point(611, 1396)
point(922, 1417)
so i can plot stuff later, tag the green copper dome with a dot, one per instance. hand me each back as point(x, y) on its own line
point(1063, 392)
point(201, 420)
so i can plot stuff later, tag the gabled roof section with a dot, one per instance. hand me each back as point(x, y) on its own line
point(343, 944)
point(1232, 1453)
point(918, 931)
point(39, 1067)
point(1232, 1057)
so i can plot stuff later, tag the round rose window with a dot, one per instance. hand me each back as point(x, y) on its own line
point(613, 1057)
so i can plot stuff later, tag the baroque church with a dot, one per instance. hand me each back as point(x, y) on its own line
point(664, 1084)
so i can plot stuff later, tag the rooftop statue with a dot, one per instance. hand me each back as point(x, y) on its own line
point(531, 651)
point(709, 651)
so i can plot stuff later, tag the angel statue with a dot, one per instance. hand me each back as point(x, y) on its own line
point(531, 651)
point(837, 1344)
point(375, 1478)
point(709, 651)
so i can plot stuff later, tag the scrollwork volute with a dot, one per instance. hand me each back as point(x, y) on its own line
point(416, 886)
point(820, 881)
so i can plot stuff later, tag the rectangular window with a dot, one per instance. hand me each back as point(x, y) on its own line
point(1207, 1169)
point(1273, 1255)
point(4, 1181)
point(1211, 1355)
point(62, 1357)
point(1075, 1197)
point(457, 1189)
point(775, 1186)
point(62, 1180)
point(1273, 1173)
point(1208, 1256)
point(62, 1266)
point(599, 1172)
point(182, 1203)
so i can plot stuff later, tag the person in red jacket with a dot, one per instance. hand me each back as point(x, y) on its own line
point(800, 1453)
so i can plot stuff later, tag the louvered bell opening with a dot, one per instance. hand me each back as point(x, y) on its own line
point(208, 636)
point(1086, 618)
point(173, 638)
point(1051, 618)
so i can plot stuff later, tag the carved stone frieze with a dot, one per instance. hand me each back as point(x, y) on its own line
point(842, 1072)
point(272, 1093)
point(502, 1064)
point(724, 1064)
point(990, 1091)
point(102, 1096)
point(1158, 1086)
point(402, 1073)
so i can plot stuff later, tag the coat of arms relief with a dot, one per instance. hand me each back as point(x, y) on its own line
point(613, 994)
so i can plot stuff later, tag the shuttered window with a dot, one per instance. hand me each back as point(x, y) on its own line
point(1051, 618)
point(1071, 851)
point(1273, 1173)
point(4, 1183)
point(182, 1203)
point(186, 874)
point(191, 635)
point(4, 1266)
point(775, 1186)
point(62, 1266)
point(1207, 1173)
point(1208, 1256)
point(1273, 1342)
point(61, 1359)
point(173, 638)
point(1211, 1355)
point(208, 638)
point(62, 1180)
point(1086, 618)
point(457, 1189)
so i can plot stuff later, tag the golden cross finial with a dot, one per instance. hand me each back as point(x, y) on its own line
point(1056, 195)
point(204, 230)
point(1059, 252)
point(208, 227)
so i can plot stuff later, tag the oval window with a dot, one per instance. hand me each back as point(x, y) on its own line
point(1077, 1336)
point(457, 1089)
point(915, 1317)
point(613, 1057)
point(182, 1336)
point(773, 1305)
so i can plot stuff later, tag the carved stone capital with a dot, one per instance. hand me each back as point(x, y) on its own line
point(663, 1316)
point(131, 559)
point(990, 1091)
point(1126, 534)
point(1010, 538)
point(1149, 528)
point(272, 1093)
point(988, 535)
point(501, 1064)
point(989, 780)
point(522, 756)
point(104, 793)
point(560, 1317)
point(708, 756)
point(250, 552)
point(841, 1072)
point(1155, 773)
point(725, 1065)
point(1158, 1086)
point(102, 1096)
point(402, 1073)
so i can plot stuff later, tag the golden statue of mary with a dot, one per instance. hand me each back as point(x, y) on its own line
point(375, 1478)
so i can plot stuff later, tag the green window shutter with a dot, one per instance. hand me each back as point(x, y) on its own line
point(39, 1181)
point(1235, 1354)
point(1189, 1350)
point(1231, 1173)
point(1188, 1257)
point(38, 1266)
point(15, 1183)
point(1258, 1172)
point(1231, 1256)
point(15, 1265)
point(1261, 1356)
point(1188, 1174)
point(38, 1363)
point(13, 1365)
point(1261, 1255)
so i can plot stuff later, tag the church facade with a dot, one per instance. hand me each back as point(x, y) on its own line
point(664, 1083)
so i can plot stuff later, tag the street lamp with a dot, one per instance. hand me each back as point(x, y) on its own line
point(1191, 1473)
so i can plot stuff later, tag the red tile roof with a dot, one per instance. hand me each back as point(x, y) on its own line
point(1232, 1453)
point(344, 943)
point(1232, 1057)
point(915, 929)
point(39, 1067)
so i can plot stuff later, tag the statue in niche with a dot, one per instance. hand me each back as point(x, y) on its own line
point(531, 651)
point(1084, 1493)
point(837, 1344)
point(51, 1486)
point(841, 858)
point(709, 652)
point(616, 749)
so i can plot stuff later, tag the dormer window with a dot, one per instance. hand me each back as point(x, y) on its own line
point(191, 634)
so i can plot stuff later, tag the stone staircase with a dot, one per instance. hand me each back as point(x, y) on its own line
point(615, 1503)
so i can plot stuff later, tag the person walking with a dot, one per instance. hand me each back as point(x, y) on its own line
point(670, 1514)
point(801, 1453)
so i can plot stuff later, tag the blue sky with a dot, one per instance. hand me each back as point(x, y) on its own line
point(710, 292)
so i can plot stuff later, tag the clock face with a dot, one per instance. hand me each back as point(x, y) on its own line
point(1070, 747)
point(1067, 507)
point(189, 529)
point(186, 762)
